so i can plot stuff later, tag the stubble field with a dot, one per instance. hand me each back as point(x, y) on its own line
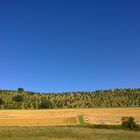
point(58, 117)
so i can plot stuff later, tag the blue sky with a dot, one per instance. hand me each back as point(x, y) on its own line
point(69, 45)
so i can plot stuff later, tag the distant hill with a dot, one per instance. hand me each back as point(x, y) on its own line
point(102, 98)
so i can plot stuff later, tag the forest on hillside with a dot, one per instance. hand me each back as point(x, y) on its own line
point(21, 99)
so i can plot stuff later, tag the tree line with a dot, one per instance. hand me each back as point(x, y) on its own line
point(21, 99)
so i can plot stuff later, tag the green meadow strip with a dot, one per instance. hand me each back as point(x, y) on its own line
point(81, 120)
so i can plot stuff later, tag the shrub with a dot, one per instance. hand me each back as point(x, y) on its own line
point(18, 98)
point(1, 101)
point(45, 104)
point(128, 122)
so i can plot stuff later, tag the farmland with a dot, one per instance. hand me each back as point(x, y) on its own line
point(66, 124)
point(58, 117)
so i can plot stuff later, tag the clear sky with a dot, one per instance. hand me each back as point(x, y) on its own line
point(69, 45)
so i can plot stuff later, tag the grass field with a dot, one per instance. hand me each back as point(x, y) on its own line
point(57, 117)
point(65, 133)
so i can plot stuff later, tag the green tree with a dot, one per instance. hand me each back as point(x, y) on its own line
point(18, 98)
point(1, 101)
point(45, 104)
point(128, 122)
point(20, 90)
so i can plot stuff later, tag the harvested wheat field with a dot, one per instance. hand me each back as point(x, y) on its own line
point(55, 117)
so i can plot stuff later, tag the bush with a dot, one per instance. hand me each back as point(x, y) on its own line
point(128, 122)
point(18, 98)
point(1, 101)
point(45, 104)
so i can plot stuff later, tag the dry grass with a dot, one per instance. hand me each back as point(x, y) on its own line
point(66, 116)
point(65, 133)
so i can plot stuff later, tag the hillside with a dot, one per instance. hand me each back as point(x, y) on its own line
point(101, 98)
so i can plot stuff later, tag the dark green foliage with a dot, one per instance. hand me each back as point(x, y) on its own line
point(20, 90)
point(18, 98)
point(1, 101)
point(128, 122)
point(45, 104)
point(100, 98)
